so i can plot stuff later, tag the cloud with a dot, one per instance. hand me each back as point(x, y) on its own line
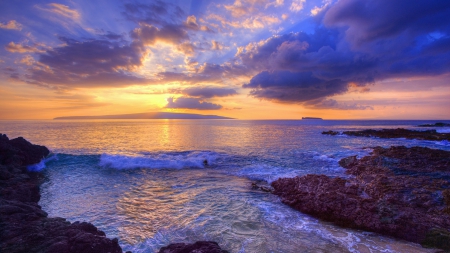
point(208, 92)
point(362, 42)
point(333, 104)
point(11, 25)
point(156, 13)
point(88, 63)
point(191, 103)
point(368, 21)
point(61, 10)
point(19, 48)
point(293, 87)
point(149, 34)
point(216, 45)
point(297, 5)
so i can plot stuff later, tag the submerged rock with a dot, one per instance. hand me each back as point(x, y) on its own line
point(24, 226)
point(398, 191)
point(430, 135)
point(197, 247)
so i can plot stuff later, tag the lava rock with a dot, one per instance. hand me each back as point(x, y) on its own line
point(197, 247)
point(24, 226)
point(397, 191)
point(430, 135)
point(20, 152)
point(439, 124)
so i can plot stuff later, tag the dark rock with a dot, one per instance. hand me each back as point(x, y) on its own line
point(398, 191)
point(330, 132)
point(439, 124)
point(24, 226)
point(20, 152)
point(430, 135)
point(197, 247)
point(263, 186)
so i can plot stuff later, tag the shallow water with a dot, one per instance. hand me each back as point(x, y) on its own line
point(146, 181)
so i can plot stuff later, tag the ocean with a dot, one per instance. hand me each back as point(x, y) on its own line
point(155, 182)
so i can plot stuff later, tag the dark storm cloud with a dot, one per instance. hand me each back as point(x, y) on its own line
point(191, 103)
point(88, 63)
point(286, 86)
point(381, 19)
point(361, 42)
point(208, 92)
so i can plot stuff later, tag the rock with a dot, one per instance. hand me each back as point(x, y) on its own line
point(331, 132)
point(197, 247)
point(263, 186)
point(20, 152)
point(430, 135)
point(439, 124)
point(25, 227)
point(398, 191)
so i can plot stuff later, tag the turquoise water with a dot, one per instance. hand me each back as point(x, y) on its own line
point(146, 181)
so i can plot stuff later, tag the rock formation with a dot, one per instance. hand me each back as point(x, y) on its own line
point(197, 247)
point(398, 191)
point(430, 135)
point(25, 227)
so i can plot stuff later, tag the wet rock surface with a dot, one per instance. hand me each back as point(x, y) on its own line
point(397, 191)
point(197, 247)
point(430, 135)
point(25, 227)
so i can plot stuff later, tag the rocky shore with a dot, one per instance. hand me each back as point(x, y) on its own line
point(430, 135)
point(397, 191)
point(26, 228)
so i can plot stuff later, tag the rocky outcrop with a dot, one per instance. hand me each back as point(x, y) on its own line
point(197, 247)
point(439, 124)
point(430, 135)
point(398, 191)
point(25, 227)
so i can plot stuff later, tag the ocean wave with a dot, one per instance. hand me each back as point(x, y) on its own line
point(41, 165)
point(194, 159)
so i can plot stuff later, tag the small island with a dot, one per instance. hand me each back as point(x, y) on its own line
point(312, 118)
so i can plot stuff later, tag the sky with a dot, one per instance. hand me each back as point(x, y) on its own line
point(245, 59)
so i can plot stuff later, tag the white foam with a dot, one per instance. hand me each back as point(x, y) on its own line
point(325, 158)
point(443, 130)
point(265, 172)
point(41, 165)
point(194, 159)
point(443, 143)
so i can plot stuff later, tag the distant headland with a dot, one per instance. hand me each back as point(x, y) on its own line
point(148, 115)
point(311, 118)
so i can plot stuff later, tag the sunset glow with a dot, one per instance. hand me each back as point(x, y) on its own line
point(245, 59)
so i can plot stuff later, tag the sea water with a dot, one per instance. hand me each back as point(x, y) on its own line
point(155, 182)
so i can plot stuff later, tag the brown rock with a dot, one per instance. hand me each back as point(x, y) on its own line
point(401, 192)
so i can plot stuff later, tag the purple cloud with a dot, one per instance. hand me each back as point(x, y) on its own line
point(88, 64)
point(362, 42)
point(208, 92)
point(191, 103)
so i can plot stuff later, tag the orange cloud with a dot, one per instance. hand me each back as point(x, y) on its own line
point(19, 48)
point(11, 25)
